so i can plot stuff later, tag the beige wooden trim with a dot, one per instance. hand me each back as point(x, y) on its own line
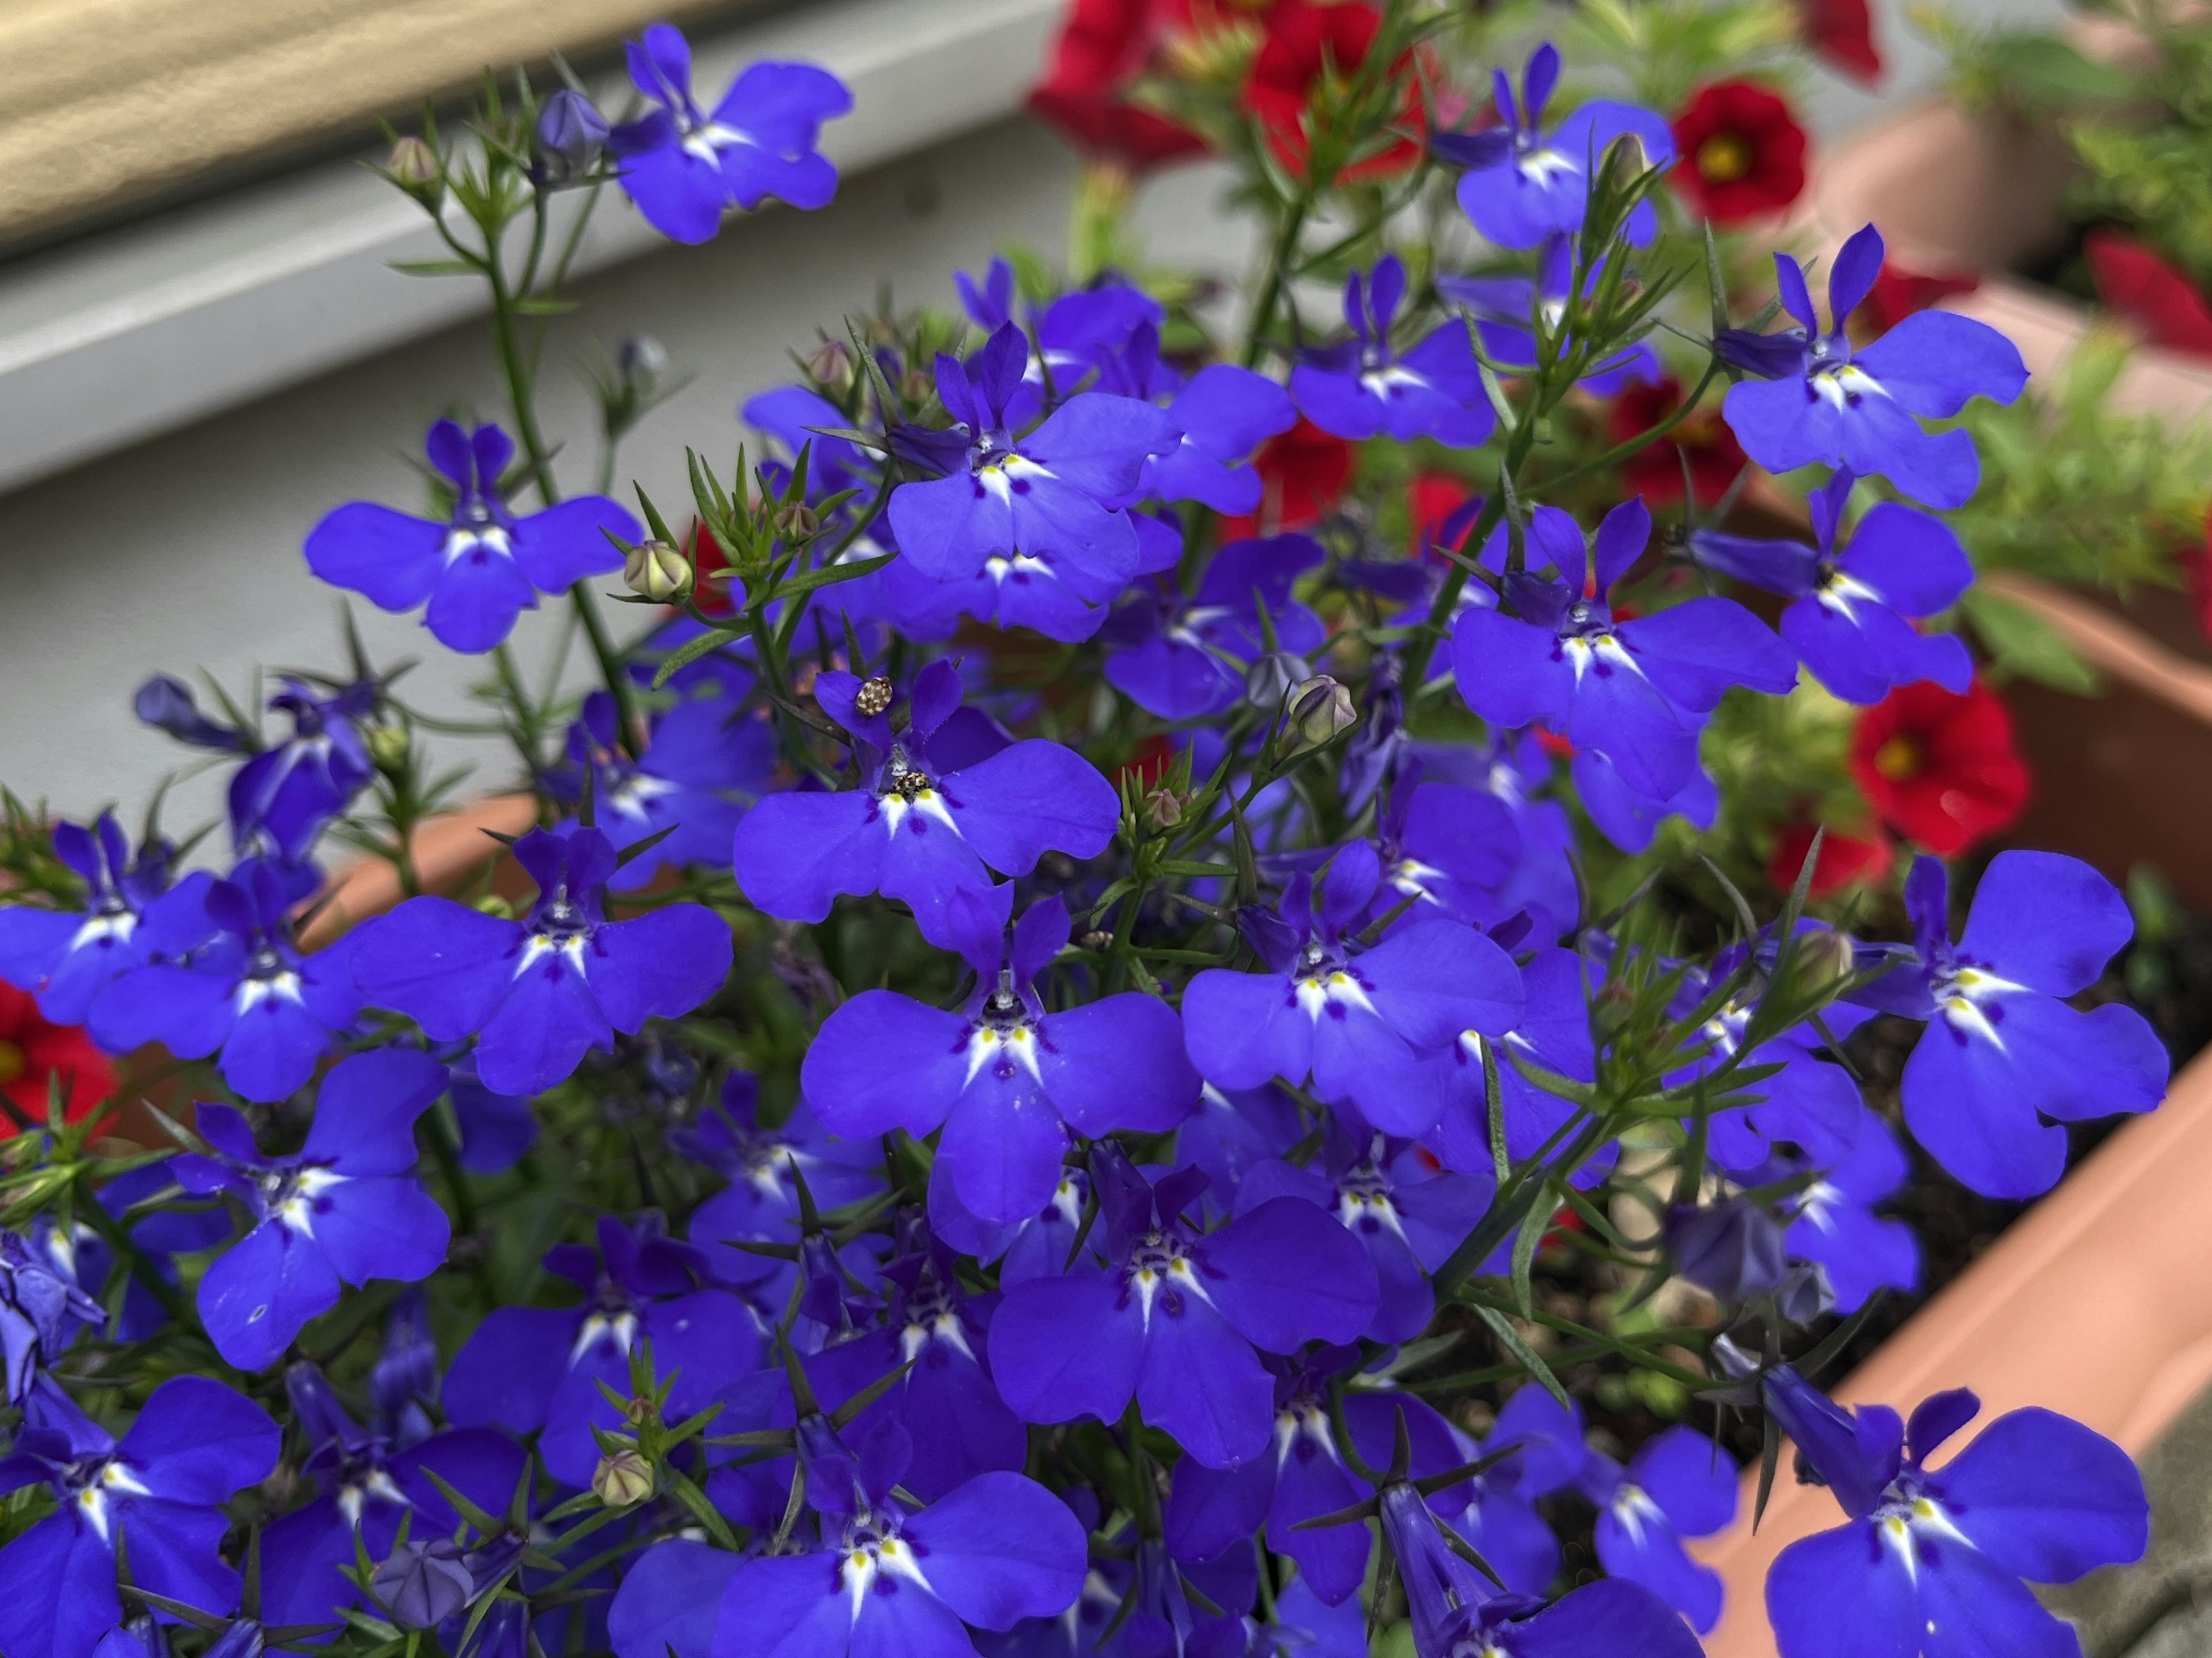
point(106, 104)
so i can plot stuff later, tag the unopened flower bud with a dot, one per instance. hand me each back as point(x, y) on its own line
point(1825, 960)
point(422, 1584)
point(1163, 808)
point(1732, 1249)
point(830, 364)
point(492, 904)
point(623, 1478)
point(388, 747)
point(1320, 709)
point(917, 386)
point(571, 136)
point(1269, 679)
point(874, 696)
point(416, 168)
point(796, 521)
point(657, 571)
point(642, 360)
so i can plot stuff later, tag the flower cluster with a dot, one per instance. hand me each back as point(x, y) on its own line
point(1080, 963)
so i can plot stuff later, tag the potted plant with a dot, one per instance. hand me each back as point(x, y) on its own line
point(1170, 935)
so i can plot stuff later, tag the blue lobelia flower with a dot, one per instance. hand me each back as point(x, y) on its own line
point(1449, 1091)
point(531, 1367)
point(223, 977)
point(1040, 497)
point(1834, 1224)
point(283, 798)
point(365, 1481)
point(1211, 1511)
point(1847, 620)
point(1354, 1020)
point(881, 1579)
point(684, 167)
point(538, 993)
point(41, 1307)
point(1224, 413)
point(2003, 1050)
point(1010, 1084)
point(1448, 848)
point(1457, 1611)
point(764, 1166)
point(1822, 400)
point(480, 569)
point(346, 1206)
point(1810, 1102)
point(1679, 1485)
point(1510, 309)
point(1495, 1511)
point(1932, 1560)
point(1636, 691)
point(1362, 388)
point(1175, 1318)
point(911, 832)
point(1408, 1214)
point(1184, 658)
point(66, 957)
point(945, 1403)
point(1523, 185)
point(669, 1600)
point(705, 762)
point(195, 1443)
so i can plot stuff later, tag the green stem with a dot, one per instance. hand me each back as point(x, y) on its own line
point(1278, 261)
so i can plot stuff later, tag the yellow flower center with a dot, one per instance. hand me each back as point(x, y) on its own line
point(13, 1062)
point(1897, 759)
point(1724, 158)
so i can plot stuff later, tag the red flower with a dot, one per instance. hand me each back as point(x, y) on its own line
point(1304, 40)
point(1743, 153)
point(32, 1051)
point(1940, 769)
point(1841, 32)
point(1656, 472)
point(2136, 284)
point(1103, 48)
point(1431, 498)
point(1303, 473)
point(1845, 860)
point(1897, 292)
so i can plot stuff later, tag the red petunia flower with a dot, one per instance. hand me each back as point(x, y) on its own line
point(1303, 473)
point(1940, 769)
point(1103, 48)
point(1743, 153)
point(2136, 284)
point(1303, 41)
point(1845, 860)
point(32, 1051)
point(1897, 292)
point(1841, 34)
point(1656, 472)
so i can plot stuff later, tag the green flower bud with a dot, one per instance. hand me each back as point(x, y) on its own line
point(388, 747)
point(623, 1478)
point(658, 571)
point(1320, 709)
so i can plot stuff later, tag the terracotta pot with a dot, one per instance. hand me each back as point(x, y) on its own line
point(2095, 1303)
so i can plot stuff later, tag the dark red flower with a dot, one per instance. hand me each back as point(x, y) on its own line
point(1743, 153)
point(1845, 860)
point(1303, 41)
point(1656, 472)
point(1897, 292)
point(1841, 34)
point(2136, 284)
point(1940, 769)
point(1303, 473)
point(32, 1051)
point(707, 556)
point(1103, 48)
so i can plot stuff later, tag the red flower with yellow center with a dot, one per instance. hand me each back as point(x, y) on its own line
point(33, 1052)
point(1703, 440)
point(1940, 769)
point(1743, 153)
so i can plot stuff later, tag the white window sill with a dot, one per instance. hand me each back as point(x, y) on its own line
point(141, 330)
